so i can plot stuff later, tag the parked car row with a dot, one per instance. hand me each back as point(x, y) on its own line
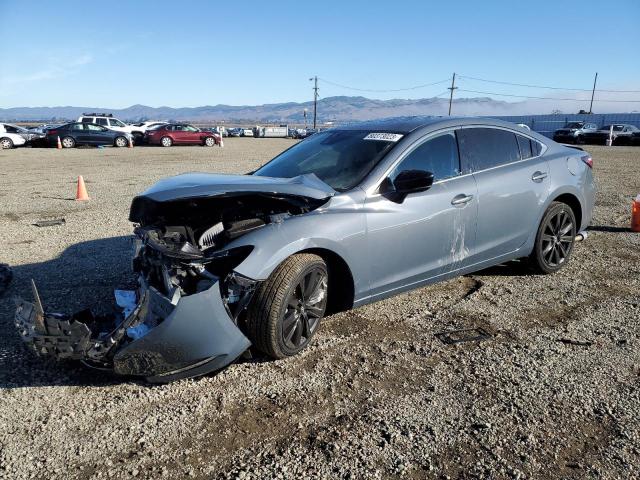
point(587, 132)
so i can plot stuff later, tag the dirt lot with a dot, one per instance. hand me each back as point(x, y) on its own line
point(555, 393)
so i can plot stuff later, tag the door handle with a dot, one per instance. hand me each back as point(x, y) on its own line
point(461, 200)
point(538, 176)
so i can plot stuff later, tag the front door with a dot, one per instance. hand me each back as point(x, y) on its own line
point(428, 234)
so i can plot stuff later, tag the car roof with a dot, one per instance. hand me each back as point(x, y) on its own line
point(407, 125)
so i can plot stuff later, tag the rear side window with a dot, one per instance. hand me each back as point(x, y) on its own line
point(483, 148)
point(438, 155)
point(536, 148)
point(528, 147)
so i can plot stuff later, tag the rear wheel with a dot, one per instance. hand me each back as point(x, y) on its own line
point(287, 308)
point(166, 141)
point(554, 240)
point(6, 143)
point(121, 142)
point(68, 142)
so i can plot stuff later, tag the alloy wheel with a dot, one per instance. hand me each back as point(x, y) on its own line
point(210, 142)
point(6, 143)
point(166, 142)
point(121, 142)
point(68, 142)
point(304, 309)
point(557, 239)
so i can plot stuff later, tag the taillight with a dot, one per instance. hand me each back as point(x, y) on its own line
point(587, 160)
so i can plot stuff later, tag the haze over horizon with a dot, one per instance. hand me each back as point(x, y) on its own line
point(159, 54)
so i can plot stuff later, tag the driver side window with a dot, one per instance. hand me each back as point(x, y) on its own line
point(438, 155)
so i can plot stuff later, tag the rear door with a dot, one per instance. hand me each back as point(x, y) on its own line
point(81, 134)
point(513, 185)
point(180, 134)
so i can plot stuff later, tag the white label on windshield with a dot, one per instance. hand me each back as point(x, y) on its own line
point(385, 137)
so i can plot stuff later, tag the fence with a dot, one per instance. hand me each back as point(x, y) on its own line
point(547, 124)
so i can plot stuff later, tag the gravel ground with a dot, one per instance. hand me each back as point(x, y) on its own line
point(554, 393)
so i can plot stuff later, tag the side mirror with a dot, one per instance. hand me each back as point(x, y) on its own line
point(406, 182)
point(411, 181)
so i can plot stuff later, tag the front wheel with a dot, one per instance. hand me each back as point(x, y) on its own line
point(6, 143)
point(287, 308)
point(209, 141)
point(166, 141)
point(68, 142)
point(554, 240)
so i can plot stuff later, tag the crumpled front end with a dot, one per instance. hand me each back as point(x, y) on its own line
point(185, 317)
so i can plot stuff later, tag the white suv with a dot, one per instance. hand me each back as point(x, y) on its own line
point(106, 120)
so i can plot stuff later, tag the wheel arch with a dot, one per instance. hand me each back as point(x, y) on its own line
point(341, 292)
point(574, 203)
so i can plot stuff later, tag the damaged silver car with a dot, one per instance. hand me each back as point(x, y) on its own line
point(346, 217)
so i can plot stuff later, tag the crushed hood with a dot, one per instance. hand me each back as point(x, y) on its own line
point(194, 185)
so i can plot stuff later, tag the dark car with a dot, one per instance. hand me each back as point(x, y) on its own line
point(573, 132)
point(235, 132)
point(621, 134)
point(76, 133)
point(180, 134)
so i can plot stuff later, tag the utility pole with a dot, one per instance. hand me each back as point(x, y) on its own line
point(315, 99)
point(452, 88)
point(593, 92)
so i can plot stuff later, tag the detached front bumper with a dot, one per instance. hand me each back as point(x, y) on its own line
point(159, 339)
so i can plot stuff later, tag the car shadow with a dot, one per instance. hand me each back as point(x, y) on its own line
point(607, 229)
point(514, 268)
point(82, 276)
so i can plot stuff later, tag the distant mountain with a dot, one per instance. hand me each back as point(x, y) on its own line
point(338, 109)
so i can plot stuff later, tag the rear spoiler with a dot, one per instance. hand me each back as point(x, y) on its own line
point(572, 146)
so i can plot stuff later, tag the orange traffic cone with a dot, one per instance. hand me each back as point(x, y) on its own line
point(81, 193)
point(130, 143)
point(59, 144)
point(635, 214)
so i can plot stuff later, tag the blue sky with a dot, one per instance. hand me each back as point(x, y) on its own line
point(190, 53)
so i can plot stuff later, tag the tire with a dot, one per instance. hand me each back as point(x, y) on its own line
point(554, 240)
point(68, 142)
point(121, 142)
point(579, 140)
point(210, 142)
point(6, 143)
point(166, 141)
point(281, 319)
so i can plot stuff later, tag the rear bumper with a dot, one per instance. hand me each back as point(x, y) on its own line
point(160, 340)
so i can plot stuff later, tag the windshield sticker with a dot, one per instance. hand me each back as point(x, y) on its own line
point(385, 137)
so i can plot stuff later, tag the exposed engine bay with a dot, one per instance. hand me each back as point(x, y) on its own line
point(184, 318)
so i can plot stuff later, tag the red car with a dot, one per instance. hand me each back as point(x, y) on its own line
point(180, 134)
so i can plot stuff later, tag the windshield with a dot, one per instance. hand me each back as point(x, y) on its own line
point(340, 158)
point(574, 125)
point(616, 128)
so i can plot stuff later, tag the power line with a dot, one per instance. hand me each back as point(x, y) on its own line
point(548, 98)
point(544, 86)
point(385, 90)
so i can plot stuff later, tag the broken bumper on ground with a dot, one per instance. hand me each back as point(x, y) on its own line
point(158, 339)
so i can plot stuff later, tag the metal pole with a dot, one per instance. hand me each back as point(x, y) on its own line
point(452, 88)
point(315, 100)
point(593, 92)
